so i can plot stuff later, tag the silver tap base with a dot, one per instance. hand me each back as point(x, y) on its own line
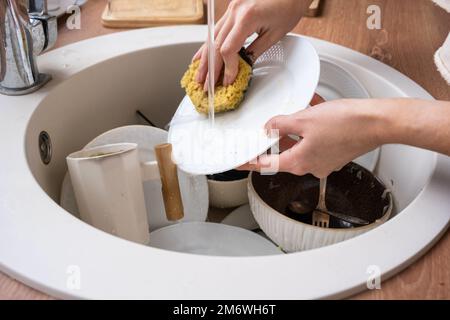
point(43, 79)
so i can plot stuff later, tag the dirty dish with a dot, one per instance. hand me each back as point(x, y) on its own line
point(212, 239)
point(241, 217)
point(283, 82)
point(354, 191)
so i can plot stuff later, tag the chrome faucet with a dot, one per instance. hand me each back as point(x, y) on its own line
point(26, 30)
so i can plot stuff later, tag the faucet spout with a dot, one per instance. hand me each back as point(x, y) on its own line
point(25, 32)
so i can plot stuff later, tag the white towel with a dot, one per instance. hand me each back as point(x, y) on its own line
point(444, 4)
point(442, 56)
point(442, 59)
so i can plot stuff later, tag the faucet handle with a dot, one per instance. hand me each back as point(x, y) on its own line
point(37, 10)
point(51, 30)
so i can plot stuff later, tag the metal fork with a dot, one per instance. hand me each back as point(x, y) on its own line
point(319, 217)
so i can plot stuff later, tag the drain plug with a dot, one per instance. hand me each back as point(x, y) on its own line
point(45, 147)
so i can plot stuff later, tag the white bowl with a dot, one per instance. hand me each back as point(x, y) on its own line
point(227, 194)
point(292, 235)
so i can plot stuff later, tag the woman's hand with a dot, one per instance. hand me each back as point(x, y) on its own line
point(336, 132)
point(270, 19)
point(333, 134)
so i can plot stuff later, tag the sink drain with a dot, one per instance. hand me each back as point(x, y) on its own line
point(45, 147)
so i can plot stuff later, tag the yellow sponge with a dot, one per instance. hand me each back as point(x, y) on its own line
point(225, 98)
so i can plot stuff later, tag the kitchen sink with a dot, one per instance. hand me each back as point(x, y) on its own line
point(100, 84)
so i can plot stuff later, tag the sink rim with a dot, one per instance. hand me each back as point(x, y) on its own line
point(240, 270)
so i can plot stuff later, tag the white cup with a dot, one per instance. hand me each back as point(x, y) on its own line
point(107, 182)
point(227, 194)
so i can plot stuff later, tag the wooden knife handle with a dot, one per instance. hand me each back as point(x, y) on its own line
point(170, 185)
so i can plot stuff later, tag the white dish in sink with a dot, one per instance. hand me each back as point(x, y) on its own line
point(283, 82)
point(212, 239)
point(241, 217)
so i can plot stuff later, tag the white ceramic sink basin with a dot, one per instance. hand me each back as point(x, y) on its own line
point(98, 85)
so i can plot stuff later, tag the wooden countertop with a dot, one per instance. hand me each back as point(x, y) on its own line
point(410, 34)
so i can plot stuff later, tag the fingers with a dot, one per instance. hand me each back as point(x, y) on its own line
point(288, 161)
point(198, 54)
point(245, 167)
point(218, 65)
point(229, 51)
point(203, 67)
point(231, 33)
point(285, 143)
point(219, 40)
point(285, 125)
point(202, 53)
point(231, 68)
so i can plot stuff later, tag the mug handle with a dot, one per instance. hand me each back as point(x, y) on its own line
point(150, 170)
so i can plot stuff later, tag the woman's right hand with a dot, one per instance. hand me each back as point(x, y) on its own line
point(270, 19)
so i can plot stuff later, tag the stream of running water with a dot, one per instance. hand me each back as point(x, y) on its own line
point(211, 60)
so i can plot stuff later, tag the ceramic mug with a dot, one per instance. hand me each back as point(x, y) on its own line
point(107, 182)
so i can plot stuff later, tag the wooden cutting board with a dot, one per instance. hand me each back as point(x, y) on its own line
point(148, 13)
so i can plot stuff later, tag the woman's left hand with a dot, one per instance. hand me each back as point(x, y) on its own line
point(333, 134)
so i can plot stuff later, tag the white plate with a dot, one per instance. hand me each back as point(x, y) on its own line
point(194, 189)
point(59, 8)
point(212, 239)
point(241, 217)
point(337, 83)
point(284, 80)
